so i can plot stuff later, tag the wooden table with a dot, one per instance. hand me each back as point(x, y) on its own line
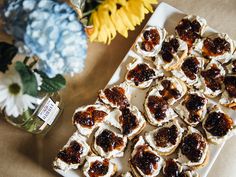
point(25, 155)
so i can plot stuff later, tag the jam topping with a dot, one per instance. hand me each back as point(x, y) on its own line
point(147, 46)
point(89, 117)
point(193, 104)
point(151, 38)
point(157, 106)
point(213, 78)
point(218, 124)
point(141, 73)
point(145, 160)
point(108, 141)
point(169, 91)
point(215, 47)
point(230, 85)
point(168, 49)
point(234, 66)
point(98, 168)
point(128, 121)
point(190, 67)
point(116, 95)
point(171, 169)
point(189, 31)
point(193, 146)
point(166, 135)
point(152, 35)
point(72, 153)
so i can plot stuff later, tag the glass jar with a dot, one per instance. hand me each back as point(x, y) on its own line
point(41, 119)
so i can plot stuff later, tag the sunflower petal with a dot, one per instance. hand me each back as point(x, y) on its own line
point(114, 16)
point(94, 19)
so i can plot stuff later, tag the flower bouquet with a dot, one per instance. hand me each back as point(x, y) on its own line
point(51, 35)
point(42, 31)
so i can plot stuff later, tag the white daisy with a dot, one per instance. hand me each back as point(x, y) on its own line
point(12, 99)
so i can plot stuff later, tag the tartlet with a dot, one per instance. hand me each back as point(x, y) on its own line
point(172, 168)
point(228, 97)
point(170, 89)
point(108, 142)
point(189, 71)
point(115, 96)
point(191, 29)
point(98, 166)
point(192, 108)
point(157, 109)
point(212, 79)
point(145, 161)
point(87, 118)
point(141, 74)
point(73, 154)
point(172, 53)
point(149, 42)
point(217, 46)
point(129, 121)
point(165, 139)
point(218, 126)
point(194, 149)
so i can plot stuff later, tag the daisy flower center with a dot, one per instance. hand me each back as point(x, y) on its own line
point(14, 88)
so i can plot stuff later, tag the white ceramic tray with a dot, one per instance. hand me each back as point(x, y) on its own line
point(165, 16)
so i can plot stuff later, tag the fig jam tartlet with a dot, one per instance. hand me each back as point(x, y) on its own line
point(149, 42)
point(192, 109)
point(73, 154)
point(217, 47)
point(212, 79)
point(87, 118)
point(228, 97)
point(165, 139)
point(108, 142)
point(218, 125)
point(141, 74)
point(129, 121)
point(145, 161)
point(157, 108)
point(97, 166)
point(189, 71)
point(171, 89)
point(172, 168)
point(190, 29)
point(193, 149)
point(172, 53)
point(115, 96)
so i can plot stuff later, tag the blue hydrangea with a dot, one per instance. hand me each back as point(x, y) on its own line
point(50, 30)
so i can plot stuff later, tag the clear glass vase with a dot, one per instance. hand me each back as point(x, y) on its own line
point(41, 119)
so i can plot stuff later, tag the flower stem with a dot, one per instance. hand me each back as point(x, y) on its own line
point(35, 60)
point(26, 60)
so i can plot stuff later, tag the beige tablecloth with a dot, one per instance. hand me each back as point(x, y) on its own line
point(25, 155)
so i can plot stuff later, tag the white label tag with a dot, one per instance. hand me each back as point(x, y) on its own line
point(49, 111)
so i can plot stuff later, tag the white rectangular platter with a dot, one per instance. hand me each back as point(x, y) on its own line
point(165, 16)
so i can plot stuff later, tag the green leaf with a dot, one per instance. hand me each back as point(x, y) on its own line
point(30, 85)
point(54, 84)
point(7, 53)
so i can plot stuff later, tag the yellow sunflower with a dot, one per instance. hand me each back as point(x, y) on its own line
point(113, 16)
